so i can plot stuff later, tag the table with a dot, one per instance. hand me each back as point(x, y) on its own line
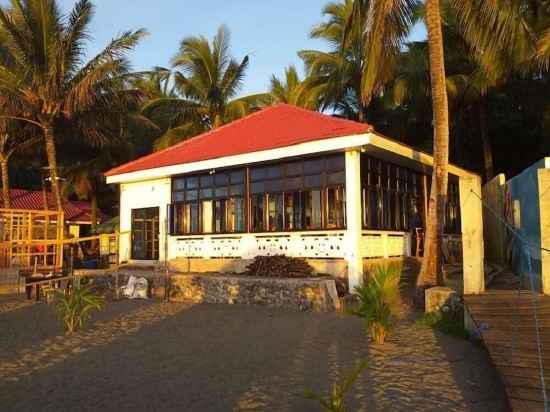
point(35, 283)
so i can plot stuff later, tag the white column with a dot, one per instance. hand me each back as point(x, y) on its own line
point(471, 212)
point(544, 209)
point(353, 219)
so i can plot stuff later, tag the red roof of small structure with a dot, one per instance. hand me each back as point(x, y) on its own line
point(75, 211)
point(273, 127)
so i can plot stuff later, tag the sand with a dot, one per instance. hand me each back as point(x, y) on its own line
point(153, 356)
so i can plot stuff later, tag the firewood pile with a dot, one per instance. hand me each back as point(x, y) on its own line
point(279, 266)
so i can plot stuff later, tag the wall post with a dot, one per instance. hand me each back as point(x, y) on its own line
point(544, 208)
point(471, 212)
point(353, 219)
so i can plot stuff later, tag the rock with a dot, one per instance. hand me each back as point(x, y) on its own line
point(439, 296)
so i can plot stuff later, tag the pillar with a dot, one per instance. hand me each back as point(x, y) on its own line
point(544, 208)
point(471, 212)
point(353, 219)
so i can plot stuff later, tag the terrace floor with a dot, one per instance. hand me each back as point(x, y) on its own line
point(152, 356)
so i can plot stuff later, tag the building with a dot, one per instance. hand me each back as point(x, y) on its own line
point(78, 214)
point(285, 180)
point(517, 223)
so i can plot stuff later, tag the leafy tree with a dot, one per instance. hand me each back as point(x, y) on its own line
point(293, 90)
point(207, 81)
point(48, 78)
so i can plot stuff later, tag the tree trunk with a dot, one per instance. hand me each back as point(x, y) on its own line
point(52, 164)
point(5, 183)
point(93, 202)
point(485, 139)
point(430, 271)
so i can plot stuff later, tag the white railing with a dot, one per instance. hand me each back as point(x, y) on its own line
point(312, 244)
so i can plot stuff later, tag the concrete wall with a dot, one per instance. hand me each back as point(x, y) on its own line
point(494, 229)
point(523, 200)
point(152, 193)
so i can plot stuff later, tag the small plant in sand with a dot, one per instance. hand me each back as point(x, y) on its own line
point(75, 307)
point(334, 400)
point(449, 319)
point(377, 298)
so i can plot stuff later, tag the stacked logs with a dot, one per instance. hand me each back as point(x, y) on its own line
point(279, 266)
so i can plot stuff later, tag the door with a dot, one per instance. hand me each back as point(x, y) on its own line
point(145, 233)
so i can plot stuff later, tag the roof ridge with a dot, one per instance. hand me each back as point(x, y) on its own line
point(207, 133)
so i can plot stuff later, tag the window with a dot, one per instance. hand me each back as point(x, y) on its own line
point(391, 195)
point(452, 211)
point(300, 195)
point(209, 203)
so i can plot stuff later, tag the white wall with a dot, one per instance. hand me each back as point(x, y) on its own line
point(151, 193)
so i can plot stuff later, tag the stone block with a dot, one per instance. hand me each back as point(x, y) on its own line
point(439, 296)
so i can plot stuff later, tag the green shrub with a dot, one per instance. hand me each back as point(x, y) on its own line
point(449, 319)
point(334, 400)
point(75, 307)
point(377, 299)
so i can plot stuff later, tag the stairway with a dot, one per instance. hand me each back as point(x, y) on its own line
point(506, 322)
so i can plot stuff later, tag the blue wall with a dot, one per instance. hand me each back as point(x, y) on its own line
point(525, 188)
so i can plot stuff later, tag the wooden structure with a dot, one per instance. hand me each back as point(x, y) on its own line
point(506, 321)
point(31, 239)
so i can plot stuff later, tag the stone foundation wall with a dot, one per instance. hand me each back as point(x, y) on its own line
point(299, 294)
point(334, 267)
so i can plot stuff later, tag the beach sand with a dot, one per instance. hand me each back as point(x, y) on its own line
point(153, 356)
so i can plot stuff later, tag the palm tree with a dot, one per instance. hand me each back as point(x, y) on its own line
point(10, 145)
point(430, 271)
point(48, 78)
point(207, 80)
point(385, 26)
point(293, 90)
point(337, 74)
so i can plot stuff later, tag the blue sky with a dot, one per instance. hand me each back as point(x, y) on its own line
point(271, 32)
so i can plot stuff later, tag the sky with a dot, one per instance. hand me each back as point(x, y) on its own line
point(270, 32)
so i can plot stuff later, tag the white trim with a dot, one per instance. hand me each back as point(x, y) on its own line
point(317, 146)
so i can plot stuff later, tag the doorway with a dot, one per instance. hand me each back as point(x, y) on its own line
point(145, 233)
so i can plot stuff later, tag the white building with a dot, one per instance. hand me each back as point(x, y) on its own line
point(290, 181)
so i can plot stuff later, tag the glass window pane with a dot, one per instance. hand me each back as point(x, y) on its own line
point(313, 210)
point(207, 216)
point(293, 183)
point(289, 211)
point(220, 216)
point(237, 176)
point(336, 162)
point(274, 171)
point(221, 179)
point(235, 215)
point(179, 197)
point(237, 190)
point(274, 185)
point(257, 206)
point(207, 180)
point(206, 193)
point(314, 166)
point(335, 207)
point(191, 195)
point(257, 173)
point(179, 184)
point(275, 212)
point(293, 169)
point(257, 187)
point(221, 191)
point(192, 182)
point(337, 178)
point(311, 182)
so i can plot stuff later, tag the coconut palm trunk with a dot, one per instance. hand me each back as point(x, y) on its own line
point(485, 139)
point(430, 272)
point(5, 182)
point(52, 164)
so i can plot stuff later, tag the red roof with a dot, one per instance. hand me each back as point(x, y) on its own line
point(273, 127)
point(75, 211)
